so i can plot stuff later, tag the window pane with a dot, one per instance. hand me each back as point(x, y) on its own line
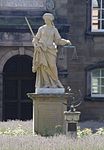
point(95, 90)
point(102, 81)
point(102, 72)
point(95, 81)
point(95, 3)
point(95, 17)
point(102, 24)
point(103, 3)
point(103, 13)
point(96, 73)
point(102, 90)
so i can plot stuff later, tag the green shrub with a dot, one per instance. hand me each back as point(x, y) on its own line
point(84, 132)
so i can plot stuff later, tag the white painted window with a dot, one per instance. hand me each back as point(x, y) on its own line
point(97, 83)
point(97, 16)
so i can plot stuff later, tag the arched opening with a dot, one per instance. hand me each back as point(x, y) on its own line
point(18, 80)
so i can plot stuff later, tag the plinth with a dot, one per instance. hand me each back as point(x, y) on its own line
point(48, 112)
point(71, 119)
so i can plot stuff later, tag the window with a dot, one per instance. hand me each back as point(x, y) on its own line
point(97, 23)
point(97, 82)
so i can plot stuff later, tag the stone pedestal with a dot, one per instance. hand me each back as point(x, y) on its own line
point(48, 112)
point(71, 119)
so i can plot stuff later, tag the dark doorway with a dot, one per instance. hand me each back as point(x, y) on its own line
point(18, 80)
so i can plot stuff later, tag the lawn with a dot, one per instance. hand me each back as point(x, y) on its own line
point(17, 135)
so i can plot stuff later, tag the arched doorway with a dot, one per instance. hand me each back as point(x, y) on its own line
point(18, 80)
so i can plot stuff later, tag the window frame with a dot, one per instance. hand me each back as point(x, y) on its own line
point(88, 70)
point(100, 83)
point(101, 19)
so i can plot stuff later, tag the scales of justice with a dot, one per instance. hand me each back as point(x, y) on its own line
point(49, 97)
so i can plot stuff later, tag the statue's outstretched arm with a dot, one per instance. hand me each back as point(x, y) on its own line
point(60, 41)
point(64, 42)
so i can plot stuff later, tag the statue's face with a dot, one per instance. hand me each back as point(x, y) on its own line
point(48, 21)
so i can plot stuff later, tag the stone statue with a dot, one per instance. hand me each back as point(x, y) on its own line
point(45, 52)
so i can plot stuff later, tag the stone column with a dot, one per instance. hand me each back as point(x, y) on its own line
point(71, 119)
point(48, 112)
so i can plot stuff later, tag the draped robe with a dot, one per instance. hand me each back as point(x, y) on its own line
point(44, 58)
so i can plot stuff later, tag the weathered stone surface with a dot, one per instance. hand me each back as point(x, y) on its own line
point(48, 112)
point(22, 3)
point(50, 90)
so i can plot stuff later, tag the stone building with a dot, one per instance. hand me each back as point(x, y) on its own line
point(82, 22)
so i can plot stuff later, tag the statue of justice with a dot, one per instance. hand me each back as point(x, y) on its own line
point(45, 53)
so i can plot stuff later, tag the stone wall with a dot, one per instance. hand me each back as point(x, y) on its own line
point(90, 50)
point(77, 31)
point(61, 7)
point(21, 4)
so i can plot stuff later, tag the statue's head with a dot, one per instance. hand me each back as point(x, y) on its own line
point(48, 16)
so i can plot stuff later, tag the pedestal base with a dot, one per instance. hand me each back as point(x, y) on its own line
point(50, 90)
point(71, 119)
point(48, 112)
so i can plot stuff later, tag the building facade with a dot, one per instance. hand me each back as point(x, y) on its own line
point(82, 68)
point(86, 73)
